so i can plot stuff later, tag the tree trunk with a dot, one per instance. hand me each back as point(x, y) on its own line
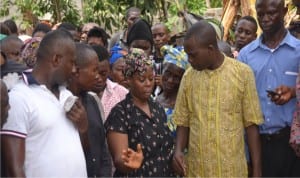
point(208, 3)
point(229, 13)
point(165, 10)
point(246, 8)
point(56, 7)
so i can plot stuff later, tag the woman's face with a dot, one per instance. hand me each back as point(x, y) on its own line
point(141, 85)
point(171, 78)
point(142, 44)
point(117, 72)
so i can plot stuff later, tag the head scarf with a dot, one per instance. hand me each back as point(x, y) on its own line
point(116, 53)
point(140, 30)
point(136, 61)
point(29, 51)
point(175, 56)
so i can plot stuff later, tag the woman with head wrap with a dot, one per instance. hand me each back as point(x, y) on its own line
point(175, 64)
point(117, 64)
point(28, 52)
point(139, 140)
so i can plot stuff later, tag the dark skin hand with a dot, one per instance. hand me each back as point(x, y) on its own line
point(13, 149)
point(124, 158)
point(133, 159)
point(178, 163)
point(78, 116)
point(284, 95)
point(255, 149)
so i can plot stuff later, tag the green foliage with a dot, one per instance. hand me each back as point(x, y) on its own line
point(193, 6)
point(63, 10)
point(4, 10)
point(176, 23)
point(216, 3)
point(108, 13)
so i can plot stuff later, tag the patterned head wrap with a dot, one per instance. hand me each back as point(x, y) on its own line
point(136, 61)
point(175, 56)
point(116, 53)
point(29, 51)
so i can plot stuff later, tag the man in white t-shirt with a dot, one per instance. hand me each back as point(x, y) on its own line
point(40, 138)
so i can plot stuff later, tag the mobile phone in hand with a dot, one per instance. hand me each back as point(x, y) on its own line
point(272, 93)
point(158, 68)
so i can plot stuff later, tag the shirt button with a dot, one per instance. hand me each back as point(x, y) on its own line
point(94, 160)
point(269, 103)
point(269, 86)
point(268, 120)
point(270, 70)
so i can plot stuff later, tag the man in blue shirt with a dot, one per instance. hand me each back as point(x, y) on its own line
point(274, 57)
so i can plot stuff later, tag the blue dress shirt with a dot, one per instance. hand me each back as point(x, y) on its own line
point(272, 68)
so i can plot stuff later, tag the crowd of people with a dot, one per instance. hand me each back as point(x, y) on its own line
point(82, 103)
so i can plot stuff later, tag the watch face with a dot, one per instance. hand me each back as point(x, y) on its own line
point(70, 102)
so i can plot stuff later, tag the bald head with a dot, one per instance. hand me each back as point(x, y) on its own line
point(132, 10)
point(53, 43)
point(203, 33)
point(11, 46)
point(84, 53)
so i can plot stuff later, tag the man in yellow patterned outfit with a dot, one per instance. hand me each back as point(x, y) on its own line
point(216, 102)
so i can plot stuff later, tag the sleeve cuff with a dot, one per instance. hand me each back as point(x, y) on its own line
point(13, 133)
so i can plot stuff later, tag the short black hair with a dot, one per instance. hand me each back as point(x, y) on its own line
point(83, 51)
point(99, 33)
point(6, 42)
point(132, 9)
point(102, 52)
point(250, 19)
point(11, 25)
point(203, 33)
point(52, 41)
point(67, 26)
point(41, 27)
point(4, 29)
point(163, 25)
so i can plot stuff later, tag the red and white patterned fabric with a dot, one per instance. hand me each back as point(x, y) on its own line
point(295, 128)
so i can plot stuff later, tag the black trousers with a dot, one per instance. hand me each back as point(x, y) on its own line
point(278, 158)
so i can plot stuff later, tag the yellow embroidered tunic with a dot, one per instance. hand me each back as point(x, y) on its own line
point(217, 105)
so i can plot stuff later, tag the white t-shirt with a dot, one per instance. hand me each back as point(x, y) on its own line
point(52, 143)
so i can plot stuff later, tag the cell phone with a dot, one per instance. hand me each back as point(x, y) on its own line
point(271, 92)
point(158, 68)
